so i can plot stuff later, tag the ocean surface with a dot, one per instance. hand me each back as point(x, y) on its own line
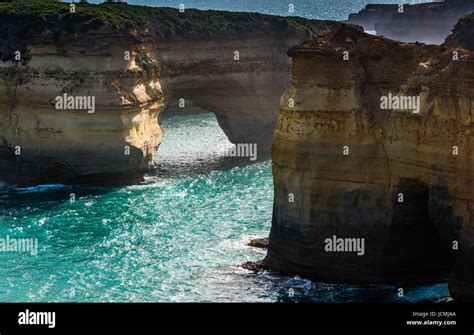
point(313, 9)
point(181, 235)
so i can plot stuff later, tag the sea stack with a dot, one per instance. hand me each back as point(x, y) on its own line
point(402, 180)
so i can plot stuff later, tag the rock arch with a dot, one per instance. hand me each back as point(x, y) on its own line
point(244, 94)
point(134, 73)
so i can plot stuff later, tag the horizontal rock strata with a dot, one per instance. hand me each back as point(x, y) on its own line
point(232, 64)
point(401, 180)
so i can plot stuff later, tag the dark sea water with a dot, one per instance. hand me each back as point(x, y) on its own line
point(180, 236)
point(314, 9)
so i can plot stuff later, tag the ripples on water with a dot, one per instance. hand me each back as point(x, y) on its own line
point(180, 236)
point(312, 9)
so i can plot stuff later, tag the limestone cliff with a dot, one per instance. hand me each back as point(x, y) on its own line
point(401, 180)
point(233, 64)
point(427, 22)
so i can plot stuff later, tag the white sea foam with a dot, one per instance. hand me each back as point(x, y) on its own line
point(39, 188)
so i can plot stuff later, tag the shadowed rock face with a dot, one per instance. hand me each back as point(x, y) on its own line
point(115, 144)
point(241, 92)
point(340, 163)
point(427, 22)
point(119, 64)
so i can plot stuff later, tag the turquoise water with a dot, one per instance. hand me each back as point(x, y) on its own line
point(180, 236)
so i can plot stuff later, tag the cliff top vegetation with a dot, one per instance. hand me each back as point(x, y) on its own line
point(121, 16)
point(463, 33)
point(23, 22)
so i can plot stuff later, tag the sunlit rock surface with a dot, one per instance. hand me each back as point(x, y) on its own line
point(340, 163)
point(134, 61)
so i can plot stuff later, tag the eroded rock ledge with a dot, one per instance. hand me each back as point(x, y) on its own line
point(340, 163)
point(84, 54)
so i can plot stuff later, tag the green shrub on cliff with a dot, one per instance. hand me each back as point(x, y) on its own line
point(118, 15)
point(153, 93)
point(463, 33)
point(121, 15)
point(151, 67)
point(25, 22)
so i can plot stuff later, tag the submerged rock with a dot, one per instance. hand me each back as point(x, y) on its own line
point(259, 243)
point(255, 266)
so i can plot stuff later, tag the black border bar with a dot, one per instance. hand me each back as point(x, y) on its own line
point(244, 315)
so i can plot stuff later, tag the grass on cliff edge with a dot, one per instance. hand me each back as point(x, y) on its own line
point(119, 15)
point(168, 21)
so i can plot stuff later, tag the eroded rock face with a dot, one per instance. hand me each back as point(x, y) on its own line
point(426, 22)
point(402, 181)
point(113, 143)
point(120, 67)
point(239, 92)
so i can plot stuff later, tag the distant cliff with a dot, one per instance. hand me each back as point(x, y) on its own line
point(427, 22)
point(463, 33)
point(133, 61)
point(397, 179)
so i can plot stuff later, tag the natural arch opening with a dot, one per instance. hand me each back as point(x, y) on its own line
point(246, 107)
point(192, 136)
point(417, 247)
point(194, 142)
